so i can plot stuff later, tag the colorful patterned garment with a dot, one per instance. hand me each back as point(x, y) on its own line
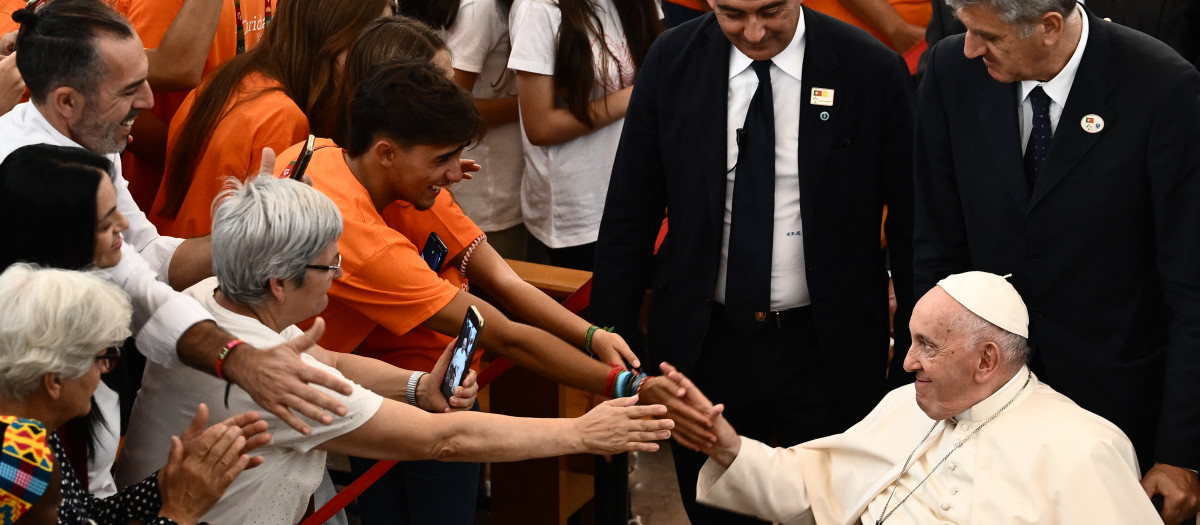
point(25, 466)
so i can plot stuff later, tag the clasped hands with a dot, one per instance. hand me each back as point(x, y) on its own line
point(699, 424)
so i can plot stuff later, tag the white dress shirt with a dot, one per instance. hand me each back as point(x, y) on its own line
point(789, 287)
point(160, 314)
point(1058, 88)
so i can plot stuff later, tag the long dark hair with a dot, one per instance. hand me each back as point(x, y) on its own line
point(390, 38)
point(50, 192)
point(574, 65)
point(298, 49)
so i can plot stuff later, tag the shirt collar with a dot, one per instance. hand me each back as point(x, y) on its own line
point(1059, 87)
point(34, 118)
point(986, 408)
point(790, 60)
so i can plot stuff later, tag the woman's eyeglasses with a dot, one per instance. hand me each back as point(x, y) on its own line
point(333, 268)
point(109, 359)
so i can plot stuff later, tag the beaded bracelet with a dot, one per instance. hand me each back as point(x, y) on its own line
point(644, 380)
point(462, 268)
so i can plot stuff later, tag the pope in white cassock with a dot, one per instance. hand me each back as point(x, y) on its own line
point(985, 442)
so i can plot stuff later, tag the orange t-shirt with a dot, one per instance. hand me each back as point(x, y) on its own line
point(151, 18)
point(915, 12)
point(386, 291)
point(259, 115)
point(7, 8)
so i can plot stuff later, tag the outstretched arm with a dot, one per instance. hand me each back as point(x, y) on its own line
point(400, 432)
point(490, 273)
point(527, 346)
point(392, 381)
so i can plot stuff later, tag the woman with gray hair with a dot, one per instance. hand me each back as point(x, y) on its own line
point(275, 255)
point(59, 333)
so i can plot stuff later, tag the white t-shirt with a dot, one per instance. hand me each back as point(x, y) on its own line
point(562, 195)
point(479, 43)
point(277, 491)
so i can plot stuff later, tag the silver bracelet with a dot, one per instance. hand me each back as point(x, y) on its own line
point(410, 394)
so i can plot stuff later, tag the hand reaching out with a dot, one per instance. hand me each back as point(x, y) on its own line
point(617, 426)
point(693, 418)
point(468, 167)
point(726, 444)
point(612, 349)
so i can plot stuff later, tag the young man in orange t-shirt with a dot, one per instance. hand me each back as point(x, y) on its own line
point(411, 125)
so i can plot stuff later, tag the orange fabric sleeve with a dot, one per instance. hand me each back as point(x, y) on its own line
point(386, 286)
point(7, 8)
point(419, 348)
point(263, 116)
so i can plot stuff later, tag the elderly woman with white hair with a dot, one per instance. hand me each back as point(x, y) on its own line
point(59, 333)
point(275, 254)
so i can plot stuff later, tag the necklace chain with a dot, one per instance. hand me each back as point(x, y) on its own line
point(884, 514)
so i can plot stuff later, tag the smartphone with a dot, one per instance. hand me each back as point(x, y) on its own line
point(464, 352)
point(296, 170)
point(435, 252)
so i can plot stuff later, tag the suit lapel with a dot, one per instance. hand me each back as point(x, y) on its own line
point(817, 123)
point(713, 73)
point(1000, 132)
point(1093, 83)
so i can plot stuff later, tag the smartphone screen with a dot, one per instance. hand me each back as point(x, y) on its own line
point(464, 352)
point(297, 170)
point(435, 252)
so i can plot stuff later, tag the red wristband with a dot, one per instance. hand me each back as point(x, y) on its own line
point(225, 353)
point(612, 380)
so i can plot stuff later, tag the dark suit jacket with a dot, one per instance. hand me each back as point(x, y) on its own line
point(1175, 22)
point(1106, 250)
point(672, 156)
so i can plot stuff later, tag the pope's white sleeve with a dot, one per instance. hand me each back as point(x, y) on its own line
point(762, 481)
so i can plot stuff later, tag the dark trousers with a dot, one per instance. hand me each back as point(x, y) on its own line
point(419, 493)
point(772, 380)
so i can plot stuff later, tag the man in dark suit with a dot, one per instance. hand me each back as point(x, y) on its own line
point(1061, 149)
point(1175, 22)
point(785, 319)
